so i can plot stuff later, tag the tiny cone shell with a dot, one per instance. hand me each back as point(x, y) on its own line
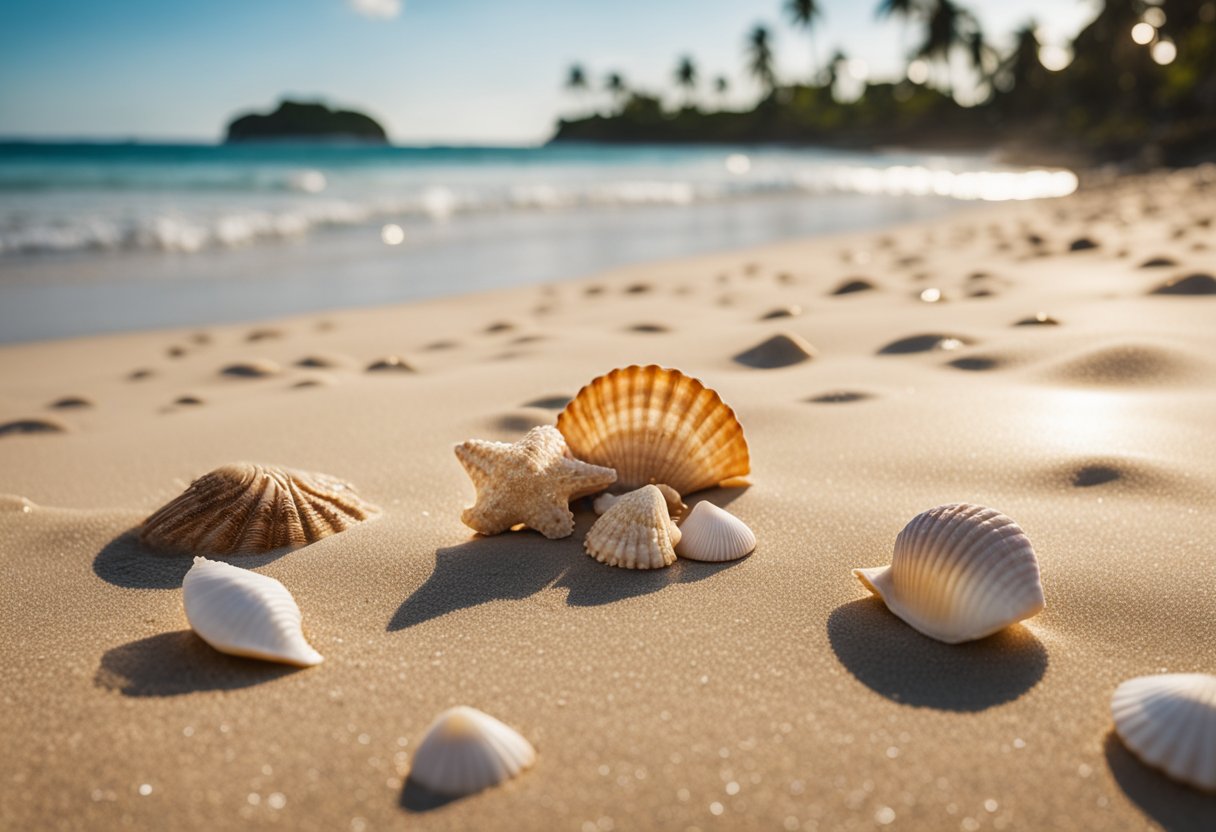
point(959, 572)
point(243, 613)
point(636, 532)
point(466, 750)
point(713, 534)
point(656, 425)
point(1169, 722)
point(243, 508)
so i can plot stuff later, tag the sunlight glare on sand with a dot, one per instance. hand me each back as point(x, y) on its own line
point(1081, 421)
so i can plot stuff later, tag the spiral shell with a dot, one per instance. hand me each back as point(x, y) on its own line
point(243, 508)
point(959, 572)
point(466, 750)
point(714, 535)
point(636, 532)
point(655, 425)
point(242, 613)
point(1169, 722)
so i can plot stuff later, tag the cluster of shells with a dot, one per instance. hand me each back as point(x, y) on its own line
point(958, 572)
point(650, 433)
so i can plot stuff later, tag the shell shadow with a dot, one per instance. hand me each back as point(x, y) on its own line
point(416, 798)
point(171, 664)
point(892, 659)
point(1177, 808)
point(126, 562)
point(516, 565)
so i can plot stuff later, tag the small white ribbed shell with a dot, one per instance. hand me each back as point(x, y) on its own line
point(636, 532)
point(243, 613)
point(959, 572)
point(466, 750)
point(714, 535)
point(1169, 722)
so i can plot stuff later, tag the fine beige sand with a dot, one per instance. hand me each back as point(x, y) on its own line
point(1024, 357)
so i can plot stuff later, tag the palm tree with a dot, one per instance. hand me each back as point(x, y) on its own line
point(803, 14)
point(947, 27)
point(831, 72)
point(576, 78)
point(760, 58)
point(905, 10)
point(721, 87)
point(686, 77)
point(1020, 77)
point(614, 82)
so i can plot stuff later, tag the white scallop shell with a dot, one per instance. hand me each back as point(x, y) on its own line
point(466, 750)
point(636, 532)
point(1169, 722)
point(243, 613)
point(959, 572)
point(713, 534)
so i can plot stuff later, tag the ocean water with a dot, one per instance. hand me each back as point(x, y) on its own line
point(104, 237)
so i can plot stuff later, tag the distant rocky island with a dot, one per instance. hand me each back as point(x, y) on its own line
point(305, 121)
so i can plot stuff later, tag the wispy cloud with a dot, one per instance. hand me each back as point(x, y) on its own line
point(376, 9)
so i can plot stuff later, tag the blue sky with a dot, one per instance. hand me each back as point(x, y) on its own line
point(466, 71)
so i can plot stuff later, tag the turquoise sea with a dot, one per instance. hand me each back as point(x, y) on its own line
point(104, 237)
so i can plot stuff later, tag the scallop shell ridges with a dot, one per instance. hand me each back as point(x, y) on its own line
point(1169, 722)
point(466, 750)
point(243, 508)
point(714, 535)
point(959, 572)
point(242, 613)
point(636, 532)
point(656, 425)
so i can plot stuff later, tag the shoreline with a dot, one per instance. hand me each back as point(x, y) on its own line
point(771, 692)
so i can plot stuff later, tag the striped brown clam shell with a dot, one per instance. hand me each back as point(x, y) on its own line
point(244, 508)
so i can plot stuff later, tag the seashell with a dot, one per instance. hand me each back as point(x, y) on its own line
point(242, 613)
point(636, 532)
point(243, 508)
point(675, 506)
point(714, 535)
point(959, 572)
point(1169, 722)
point(656, 425)
point(466, 750)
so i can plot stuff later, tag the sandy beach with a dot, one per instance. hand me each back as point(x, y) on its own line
point(1055, 360)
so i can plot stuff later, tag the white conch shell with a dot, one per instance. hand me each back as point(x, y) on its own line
point(652, 425)
point(713, 534)
point(636, 532)
point(1169, 722)
point(243, 613)
point(466, 750)
point(675, 505)
point(959, 572)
